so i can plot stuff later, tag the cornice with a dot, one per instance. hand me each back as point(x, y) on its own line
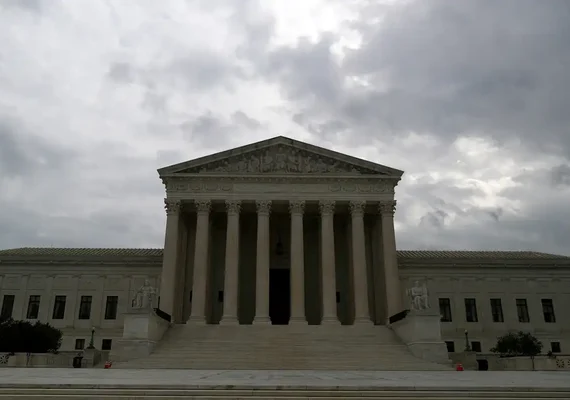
point(282, 178)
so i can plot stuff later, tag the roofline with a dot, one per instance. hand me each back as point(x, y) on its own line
point(270, 142)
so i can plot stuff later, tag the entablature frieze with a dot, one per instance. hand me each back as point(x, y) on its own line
point(488, 275)
point(279, 187)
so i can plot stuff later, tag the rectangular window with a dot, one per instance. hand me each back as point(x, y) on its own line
point(497, 310)
point(476, 347)
point(471, 310)
point(450, 347)
point(85, 307)
point(111, 307)
point(106, 344)
point(548, 311)
point(555, 347)
point(522, 310)
point(59, 307)
point(7, 306)
point(445, 310)
point(79, 344)
point(33, 307)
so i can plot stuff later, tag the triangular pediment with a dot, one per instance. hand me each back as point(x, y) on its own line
point(279, 155)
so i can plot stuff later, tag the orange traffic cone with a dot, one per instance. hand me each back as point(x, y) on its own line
point(459, 367)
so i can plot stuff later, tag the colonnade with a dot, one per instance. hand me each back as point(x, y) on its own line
point(297, 274)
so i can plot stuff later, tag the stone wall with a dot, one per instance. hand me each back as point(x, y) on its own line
point(73, 281)
point(506, 282)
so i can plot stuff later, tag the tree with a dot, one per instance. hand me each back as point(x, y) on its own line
point(25, 337)
point(520, 343)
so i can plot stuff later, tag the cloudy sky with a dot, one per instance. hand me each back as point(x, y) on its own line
point(471, 98)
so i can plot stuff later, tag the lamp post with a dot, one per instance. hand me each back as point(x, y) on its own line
point(92, 341)
point(467, 347)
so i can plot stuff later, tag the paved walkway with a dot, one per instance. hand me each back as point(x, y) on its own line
point(55, 377)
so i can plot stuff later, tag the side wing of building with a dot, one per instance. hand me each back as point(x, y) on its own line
point(485, 294)
point(75, 290)
point(482, 295)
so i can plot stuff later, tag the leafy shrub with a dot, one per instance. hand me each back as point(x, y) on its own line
point(518, 344)
point(25, 337)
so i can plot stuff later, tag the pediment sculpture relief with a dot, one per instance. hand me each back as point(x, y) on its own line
point(280, 159)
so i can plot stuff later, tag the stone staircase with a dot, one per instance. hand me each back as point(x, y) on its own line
point(282, 347)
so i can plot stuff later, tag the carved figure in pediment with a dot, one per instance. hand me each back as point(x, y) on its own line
point(280, 159)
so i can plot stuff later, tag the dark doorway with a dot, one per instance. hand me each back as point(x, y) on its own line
point(279, 296)
point(482, 365)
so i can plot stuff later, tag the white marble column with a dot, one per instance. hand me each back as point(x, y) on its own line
point(297, 209)
point(360, 278)
point(170, 258)
point(391, 274)
point(198, 310)
point(262, 263)
point(231, 281)
point(328, 260)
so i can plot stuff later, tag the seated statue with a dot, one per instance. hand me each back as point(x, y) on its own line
point(418, 295)
point(144, 297)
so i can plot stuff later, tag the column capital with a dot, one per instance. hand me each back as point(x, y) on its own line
point(263, 207)
point(387, 208)
point(172, 207)
point(297, 206)
point(327, 207)
point(357, 207)
point(233, 206)
point(203, 206)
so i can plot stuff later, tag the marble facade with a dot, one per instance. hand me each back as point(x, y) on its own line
point(236, 217)
point(284, 231)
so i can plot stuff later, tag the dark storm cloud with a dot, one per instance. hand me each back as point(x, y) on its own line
point(561, 175)
point(210, 129)
point(137, 77)
point(241, 118)
point(23, 153)
point(200, 70)
point(27, 5)
point(500, 69)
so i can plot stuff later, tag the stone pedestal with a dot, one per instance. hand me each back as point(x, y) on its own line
point(142, 330)
point(91, 357)
point(420, 330)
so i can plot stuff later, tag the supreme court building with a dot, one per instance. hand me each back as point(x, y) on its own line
point(286, 233)
point(280, 231)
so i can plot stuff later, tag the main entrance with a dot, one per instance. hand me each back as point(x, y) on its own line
point(279, 296)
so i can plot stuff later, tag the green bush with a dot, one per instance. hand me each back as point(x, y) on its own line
point(515, 344)
point(25, 337)
point(518, 344)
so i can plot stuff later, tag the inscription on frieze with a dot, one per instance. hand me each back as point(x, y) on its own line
point(89, 282)
point(63, 282)
point(277, 187)
point(280, 159)
point(37, 282)
point(11, 282)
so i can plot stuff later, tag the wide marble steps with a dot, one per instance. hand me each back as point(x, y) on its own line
point(289, 347)
point(97, 384)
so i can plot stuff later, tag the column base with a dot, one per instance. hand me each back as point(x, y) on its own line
point(330, 321)
point(262, 321)
point(298, 321)
point(363, 321)
point(197, 320)
point(229, 321)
